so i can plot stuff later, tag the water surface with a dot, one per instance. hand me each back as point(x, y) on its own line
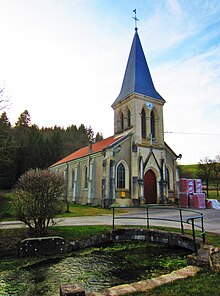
point(94, 268)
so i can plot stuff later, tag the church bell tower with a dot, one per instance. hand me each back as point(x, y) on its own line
point(138, 112)
point(139, 106)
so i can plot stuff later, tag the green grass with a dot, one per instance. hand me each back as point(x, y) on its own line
point(8, 211)
point(10, 238)
point(189, 171)
point(77, 210)
point(76, 232)
point(213, 195)
point(204, 283)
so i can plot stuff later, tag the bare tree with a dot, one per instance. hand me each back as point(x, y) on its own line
point(206, 171)
point(4, 99)
point(38, 199)
point(217, 173)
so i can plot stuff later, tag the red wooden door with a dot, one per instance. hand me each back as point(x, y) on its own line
point(150, 187)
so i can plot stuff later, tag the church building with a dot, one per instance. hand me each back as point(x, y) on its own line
point(134, 166)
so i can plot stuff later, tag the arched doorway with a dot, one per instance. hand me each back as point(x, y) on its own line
point(150, 187)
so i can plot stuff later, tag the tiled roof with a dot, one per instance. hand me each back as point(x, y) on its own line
point(96, 147)
point(137, 77)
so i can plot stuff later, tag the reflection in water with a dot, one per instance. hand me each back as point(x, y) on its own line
point(95, 268)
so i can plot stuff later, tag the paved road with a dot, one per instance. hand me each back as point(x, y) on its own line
point(211, 219)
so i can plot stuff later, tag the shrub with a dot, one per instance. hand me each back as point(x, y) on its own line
point(38, 199)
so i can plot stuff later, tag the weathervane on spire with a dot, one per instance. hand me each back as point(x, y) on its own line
point(135, 19)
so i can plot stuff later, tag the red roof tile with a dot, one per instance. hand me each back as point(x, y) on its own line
point(96, 147)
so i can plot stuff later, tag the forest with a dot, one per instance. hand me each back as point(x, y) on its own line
point(24, 145)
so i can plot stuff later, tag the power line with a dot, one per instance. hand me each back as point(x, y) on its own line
point(186, 133)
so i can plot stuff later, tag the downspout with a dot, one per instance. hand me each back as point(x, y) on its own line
point(175, 175)
point(66, 191)
point(88, 175)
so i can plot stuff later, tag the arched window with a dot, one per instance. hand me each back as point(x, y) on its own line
point(120, 176)
point(152, 126)
point(143, 124)
point(86, 178)
point(129, 118)
point(122, 121)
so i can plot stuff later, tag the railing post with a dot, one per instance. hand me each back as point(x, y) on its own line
point(194, 237)
point(147, 218)
point(203, 232)
point(181, 221)
point(113, 218)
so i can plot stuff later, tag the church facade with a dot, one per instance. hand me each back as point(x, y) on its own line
point(134, 166)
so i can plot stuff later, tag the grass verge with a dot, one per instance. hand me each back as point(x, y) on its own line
point(10, 238)
point(204, 283)
point(77, 210)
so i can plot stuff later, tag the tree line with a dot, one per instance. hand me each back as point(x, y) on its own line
point(25, 146)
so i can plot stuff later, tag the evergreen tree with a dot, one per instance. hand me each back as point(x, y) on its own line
point(90, 134)
point(98, 137)
point(55, 147)
point(7, 153)
point(82, 136)
point(36, 156)
point(21, 135)
point(24, 120)
point(25, 146)
point(70, 140)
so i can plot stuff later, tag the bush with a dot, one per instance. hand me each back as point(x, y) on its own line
point(38, 199)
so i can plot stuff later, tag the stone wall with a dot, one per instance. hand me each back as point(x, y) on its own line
point(157, 236)
point(42, 246)
point(143, 286)
point(207, 256)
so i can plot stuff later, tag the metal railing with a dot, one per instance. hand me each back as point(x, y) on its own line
point(195, 220)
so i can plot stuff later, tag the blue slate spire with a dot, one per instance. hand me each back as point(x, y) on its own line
point(137, 78)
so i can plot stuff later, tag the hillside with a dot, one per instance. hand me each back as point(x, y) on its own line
point(188, 171)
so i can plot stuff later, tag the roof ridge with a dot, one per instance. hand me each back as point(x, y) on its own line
point(84, 151)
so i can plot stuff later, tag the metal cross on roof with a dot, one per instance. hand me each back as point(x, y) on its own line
point(135, 18)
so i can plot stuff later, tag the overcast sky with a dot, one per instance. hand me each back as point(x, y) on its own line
point(64, 61)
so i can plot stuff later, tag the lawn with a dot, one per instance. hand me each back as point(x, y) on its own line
point(77, 210)
point(213, 195)
point(204, 283)
point(7, 211)
point(189, 171)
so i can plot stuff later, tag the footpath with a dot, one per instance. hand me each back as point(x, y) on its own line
point(211, 220)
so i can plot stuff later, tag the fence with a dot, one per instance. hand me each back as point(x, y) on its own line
point(194, 219)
